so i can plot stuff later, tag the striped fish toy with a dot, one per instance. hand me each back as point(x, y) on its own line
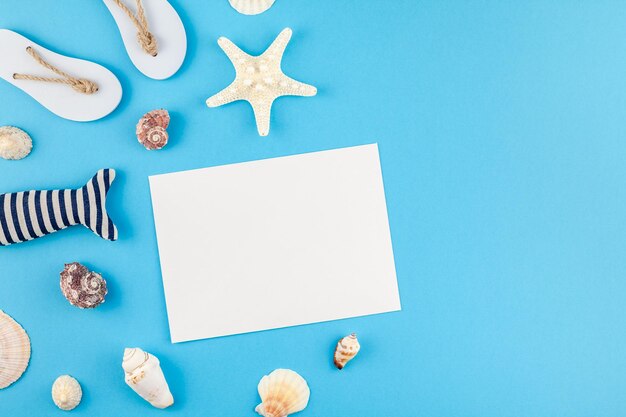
point(28, 215)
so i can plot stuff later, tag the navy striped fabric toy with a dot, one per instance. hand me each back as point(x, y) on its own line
point(28, 215)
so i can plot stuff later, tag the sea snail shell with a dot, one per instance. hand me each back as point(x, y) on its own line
point(346, 350)
point(82, 287)
point(66, 392)
point(151, 129)
point(144, 375)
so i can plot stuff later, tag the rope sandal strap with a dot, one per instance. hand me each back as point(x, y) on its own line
point(146, 39)
point(79, 84)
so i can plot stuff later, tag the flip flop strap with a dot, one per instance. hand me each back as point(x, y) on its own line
point(79, 84)
point(146, 39)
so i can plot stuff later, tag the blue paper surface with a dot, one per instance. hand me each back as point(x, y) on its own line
point(502, 137)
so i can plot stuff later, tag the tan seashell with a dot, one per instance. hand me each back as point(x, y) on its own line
point(145, 377)
point(251, 7)
point(283, 392)
point(151, 129)
point(82, 287)
point(66, 392)
point(14, 143)
point(14, 350)
point(346, 350)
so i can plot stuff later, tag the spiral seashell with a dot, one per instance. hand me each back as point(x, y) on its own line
point(82, 287)
point(14, 143)
point(144, 375)
point(66, 392)
point(346, 350)
point(14, 350)
point(151, 129)
point(283, 392)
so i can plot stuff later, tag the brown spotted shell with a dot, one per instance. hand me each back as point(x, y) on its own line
point(151, 129)
point(82, 287)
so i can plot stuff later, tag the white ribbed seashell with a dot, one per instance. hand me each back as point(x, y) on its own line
point(66, 392)
point(14, 350)
point(14, 143)
point(145, 377)
point(346, 350)
point(283, 392)
point(251, 7)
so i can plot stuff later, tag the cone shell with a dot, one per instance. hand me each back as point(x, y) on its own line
point(251, 7)
point(82, 287)
point(346, 350)
point(14, 350)
point(145, 377)
point(283, 392)
point(151, 129)
point(14, 143)
point(66, 392)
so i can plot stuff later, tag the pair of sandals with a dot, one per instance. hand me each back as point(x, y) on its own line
point(79, 90)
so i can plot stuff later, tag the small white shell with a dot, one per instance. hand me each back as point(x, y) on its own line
point(251, 7)
point(145, 377)
point(283, 392)
point(346, 350)
point(66, 392)
point(14, 143)
point(14, 350)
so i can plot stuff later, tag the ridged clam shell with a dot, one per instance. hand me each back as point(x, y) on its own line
point(251, 7)
point(151, 129)
point(283, 392)
point(14, 143)
point(346, 350)
point(14, 350)
point(82, 287)
point(66, 392)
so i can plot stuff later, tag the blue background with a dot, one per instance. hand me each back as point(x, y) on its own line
point(503, 144)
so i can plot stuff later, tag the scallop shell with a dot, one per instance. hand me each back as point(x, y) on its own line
point(14, 350)
point(251, 7)
point(82, 287)
point(14, 143)
point(283, 392)
point(66, 392)
point(144, 375)
point(151, 129)
point(346, 350)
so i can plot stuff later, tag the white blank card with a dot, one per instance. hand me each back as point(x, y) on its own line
point(274, 243)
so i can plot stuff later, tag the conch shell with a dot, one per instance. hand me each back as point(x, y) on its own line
point(151, 129)
point(145, 377)
point(14, 143)
point(66, 392)
point(346, 350)
point(14, 350)
point(283, 392)
point(82, 287)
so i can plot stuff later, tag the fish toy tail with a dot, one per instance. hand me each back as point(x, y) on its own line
point(28, 215)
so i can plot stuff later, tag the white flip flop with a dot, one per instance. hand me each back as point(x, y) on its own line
point(23, 64)
point(163, 23)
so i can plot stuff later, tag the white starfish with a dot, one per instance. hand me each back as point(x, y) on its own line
point(259, 80)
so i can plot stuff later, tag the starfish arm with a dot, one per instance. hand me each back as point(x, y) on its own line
point(262, 110)
point(227, 95)
point(290, 87)
point(277, 48)
point(231, 50)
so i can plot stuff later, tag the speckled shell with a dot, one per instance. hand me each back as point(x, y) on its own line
point(14, 143)
point(283, 392)
point(14, 350)
point(346, 350)
point(66, 392)
point(251, 7)
point(151, 129)
point(144, 375)
point(82, 287)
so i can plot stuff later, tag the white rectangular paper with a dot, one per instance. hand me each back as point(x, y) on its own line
point(274, 243)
